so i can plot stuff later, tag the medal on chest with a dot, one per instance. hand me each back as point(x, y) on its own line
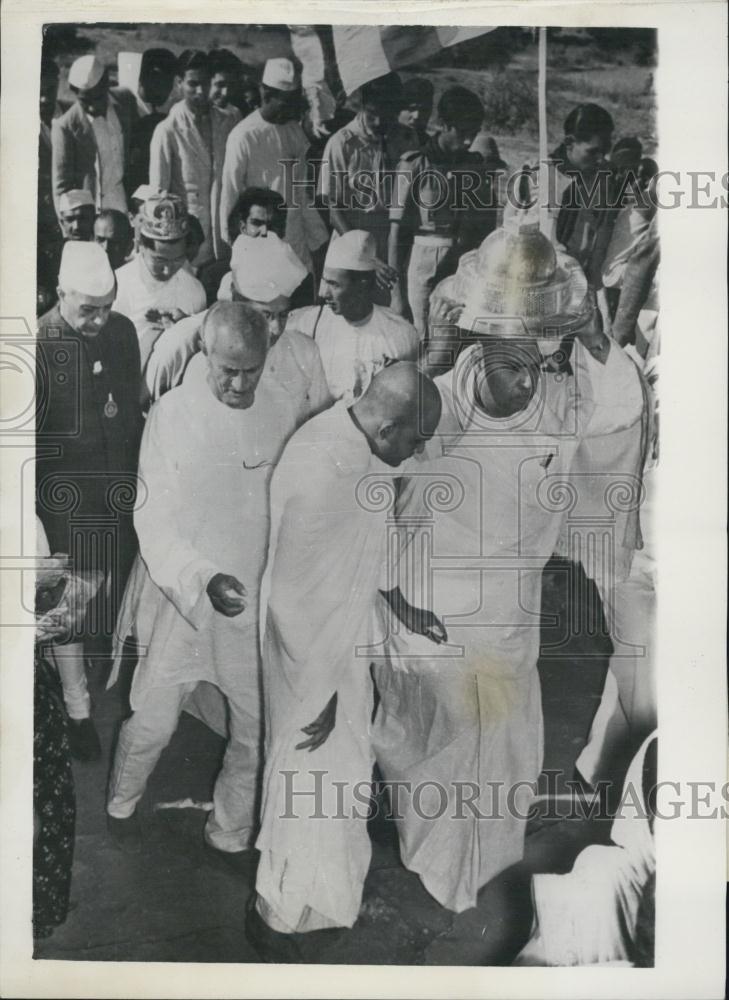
point(110, 408)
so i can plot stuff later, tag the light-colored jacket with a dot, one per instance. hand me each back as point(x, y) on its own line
point(181, 162)
point(74, 146)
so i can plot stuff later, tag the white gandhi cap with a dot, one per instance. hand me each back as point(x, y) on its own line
point(265, 267)
point(280, 74)
point(74, 199)
point(352, 251)
point(85, 73)
point(85, 269)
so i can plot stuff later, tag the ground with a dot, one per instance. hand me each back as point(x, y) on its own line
point(176, 903)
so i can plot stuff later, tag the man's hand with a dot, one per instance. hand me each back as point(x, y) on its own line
point(418, 620)
point(385, 275)
point(424, 622)
point(318, 731)
point(227, 595)
point(171, 316)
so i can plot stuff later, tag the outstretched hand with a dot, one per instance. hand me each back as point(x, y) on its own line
point(318, 731)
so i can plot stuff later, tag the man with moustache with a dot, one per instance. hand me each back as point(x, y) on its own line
point(207, 455)
point(89, 425)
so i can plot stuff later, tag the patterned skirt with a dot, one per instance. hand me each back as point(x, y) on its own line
point(54, 803)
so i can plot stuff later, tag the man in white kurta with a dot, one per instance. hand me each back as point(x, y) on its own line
point(264, 277)
point(187, 152)
point(469, 714)
point(328, 532)
point(192, 601)
point(355, 337)
point(268, 149)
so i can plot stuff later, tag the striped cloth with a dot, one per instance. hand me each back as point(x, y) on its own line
point(366, 52)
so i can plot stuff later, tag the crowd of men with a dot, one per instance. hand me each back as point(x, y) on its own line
point(260, 360)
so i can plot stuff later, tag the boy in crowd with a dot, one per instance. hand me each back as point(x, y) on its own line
point(429, 233)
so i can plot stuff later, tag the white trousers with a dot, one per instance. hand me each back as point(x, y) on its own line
point(69, 659)
point(143, 737)
point(426, 254)
point(627, 710)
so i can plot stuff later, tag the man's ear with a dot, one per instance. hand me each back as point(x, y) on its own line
point(60, 293)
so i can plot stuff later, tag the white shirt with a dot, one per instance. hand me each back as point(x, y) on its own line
point(109, 160)
point(138, 292)
point(353, 352)
point(261, 154)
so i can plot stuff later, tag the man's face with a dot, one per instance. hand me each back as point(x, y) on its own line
point(511, 369)
point(281, 106)
point(346, 295)
point(116, 244)
point(48, 94)
point(457, 138)
point(221, 86)
point(250, 99)
point(408, 438)
point(194, 87)
point(377, 116)
point(234, 370)
point(95, 101)
point(165, 258)
point(258, 221)
point(84, 314)
point(155, 87)
point(275, 314)
point(586, 154)
point(78, 223)
point(409, 116)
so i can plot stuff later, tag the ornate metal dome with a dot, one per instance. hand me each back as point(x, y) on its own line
point(517, 284)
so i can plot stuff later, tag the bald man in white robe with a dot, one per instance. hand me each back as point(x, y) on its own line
point(265, 274)
point(512, 450)
point(328, 533)
point(207, 455)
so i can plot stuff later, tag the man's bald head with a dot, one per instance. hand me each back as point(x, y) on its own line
point(235, 341)
point(399, 412)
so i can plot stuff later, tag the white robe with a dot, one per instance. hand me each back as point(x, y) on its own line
point(293, 362)
point(353, 352)
point(324, 566)
point(470, 711)
point(203, 509)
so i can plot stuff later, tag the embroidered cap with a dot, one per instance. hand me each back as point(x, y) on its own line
point(164, 217)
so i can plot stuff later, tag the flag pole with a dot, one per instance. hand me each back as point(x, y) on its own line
point(543, 192)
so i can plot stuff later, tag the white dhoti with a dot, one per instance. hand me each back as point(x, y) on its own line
point(466, 716)
point(467, 742)
point(206, 469)
point(323, 573)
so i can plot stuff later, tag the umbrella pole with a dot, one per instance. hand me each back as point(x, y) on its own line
point(542, 99)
